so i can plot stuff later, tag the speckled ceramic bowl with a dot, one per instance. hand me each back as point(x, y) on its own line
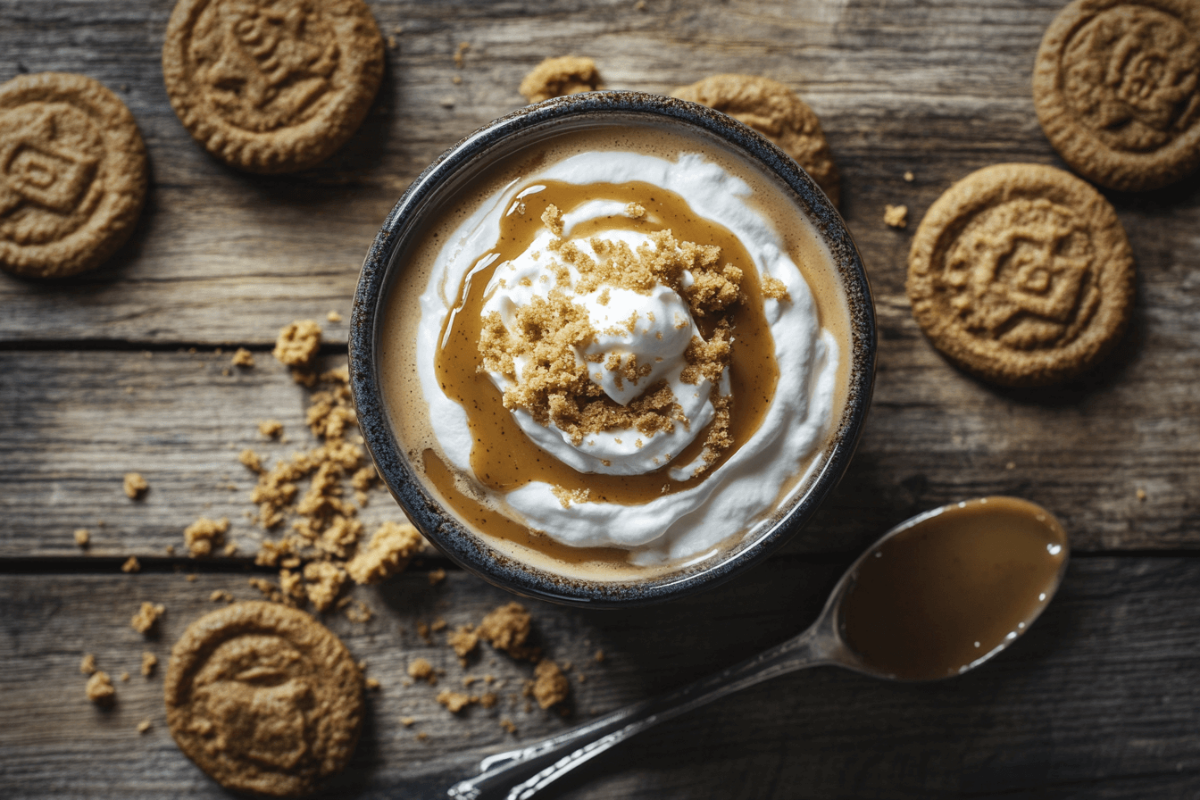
point(422, 200)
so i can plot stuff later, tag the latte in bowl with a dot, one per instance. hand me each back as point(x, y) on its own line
point(612, 348)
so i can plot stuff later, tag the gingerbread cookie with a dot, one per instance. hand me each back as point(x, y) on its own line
point(1117, 90)
point(264, 699)
point(272, 85)
point(776, 112)
point(72, 174)
point(1021, 274)
point(557, 77)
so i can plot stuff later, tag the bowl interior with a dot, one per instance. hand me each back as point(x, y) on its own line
point(451, 175)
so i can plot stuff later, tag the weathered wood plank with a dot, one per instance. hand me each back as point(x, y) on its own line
point(1098, 700)
point(78, 421)
point(222, 257)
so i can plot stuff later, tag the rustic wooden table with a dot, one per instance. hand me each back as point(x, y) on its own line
point(97, 378)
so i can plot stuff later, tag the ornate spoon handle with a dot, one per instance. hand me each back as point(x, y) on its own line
point(520, 774)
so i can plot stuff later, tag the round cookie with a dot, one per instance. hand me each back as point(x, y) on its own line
point(1021, 274)
point(264, 699)
point(72, 174)
point(776, 112)
point(1117, 90)
point(272, 85)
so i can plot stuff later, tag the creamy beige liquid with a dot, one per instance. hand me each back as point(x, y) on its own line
point(946, 592)
point(504, 457)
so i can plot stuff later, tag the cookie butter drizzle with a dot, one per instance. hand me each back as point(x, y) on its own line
point(503, 458)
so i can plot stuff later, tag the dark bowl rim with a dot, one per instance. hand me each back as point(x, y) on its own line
point(468, 550)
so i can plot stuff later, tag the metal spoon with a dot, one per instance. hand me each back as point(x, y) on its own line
point(940, 539)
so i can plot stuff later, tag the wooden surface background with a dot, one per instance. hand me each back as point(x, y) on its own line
point(1101, 699)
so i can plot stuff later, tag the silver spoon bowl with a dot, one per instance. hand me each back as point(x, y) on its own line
point(522, 773)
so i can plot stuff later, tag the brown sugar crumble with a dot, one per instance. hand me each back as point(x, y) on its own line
point(82, 537)
point(204, 535)
point(408, 722)
point(895, 216)
point(149, 662)
point(220, 596)
point(460, 54)
point(143, 726)
point(555, 387)
point(556, 77)
point(124, 677)
point(371, 683)
point(242, 358)
point(775, 289)
point(507, 725)
point(298, 343)
point(88, 665)
point(146, 617)
point(100, 689)
point(135, 486)
point(131, 565)
point(436, 576)
point(333, 316)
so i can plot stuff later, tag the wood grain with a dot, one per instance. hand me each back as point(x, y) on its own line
point(80, 420)
point(1063, 713)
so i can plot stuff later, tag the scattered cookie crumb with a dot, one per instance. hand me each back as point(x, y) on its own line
point(135, 486)
point(422, 736)
point(454, 701)
point(463, 641)
point(82, 537)
point(437, 576)
point(131, 565)
point(243, 358)
point(460, 54)
point(358, 611)
point(456, 80)
point(1141, 495)
point(100, 689)
point(556, 77)
point(146, 617)
point(169, 549)
point(439, 624)
point(508, 726)
point(1010, 465)
point(149, 662)
point(908, 176)
point(88, 665)
point(408, 722)
point(391, 42)
point(220, 596)
point(124, 677)
point(191, 578)
point(143, 726)
point(298, 343)
point(270, 428)
point(489, 699)
point(599, 657)
point(333, 316)
point(447, 102)
point(324, 583)
point(551, 686)
point(423, 632)
point(895, 216)
point(507, 628)
point(421, 670)
point(205, 534)
point(389, 552)
point(371, 683)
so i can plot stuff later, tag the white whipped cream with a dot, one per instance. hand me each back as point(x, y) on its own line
point(745, 488)
point(663, 327)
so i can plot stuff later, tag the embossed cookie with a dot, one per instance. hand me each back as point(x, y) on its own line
point(1117, 90)
point(272, 85)
point(776, 112)
point(264, 699)
point(72, 174)
point(1021, 274)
